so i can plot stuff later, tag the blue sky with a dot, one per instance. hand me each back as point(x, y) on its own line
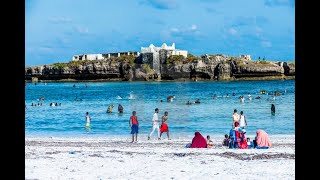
point(57, 30)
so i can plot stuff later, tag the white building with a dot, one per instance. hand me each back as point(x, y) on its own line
point(87, 57)
point(170, 49)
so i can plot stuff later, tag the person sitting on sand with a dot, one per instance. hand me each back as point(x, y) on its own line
point(225, 141)
point(134, 125)
point(120, 108)
point(164, 126)
point(262, 140)
point(109, 110)
point(209, 142)
point(238, 128)
point(198, 141)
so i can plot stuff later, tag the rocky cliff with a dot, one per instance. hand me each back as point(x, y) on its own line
point(209, 67)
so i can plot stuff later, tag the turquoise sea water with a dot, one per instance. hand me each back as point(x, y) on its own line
point(211, 116)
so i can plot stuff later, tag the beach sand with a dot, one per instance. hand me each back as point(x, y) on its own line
point(117, 158)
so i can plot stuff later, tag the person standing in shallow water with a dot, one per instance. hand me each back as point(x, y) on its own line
point(88, 120)
point(155, 124)
point(134, 125)
point(273, 109)
point(120, 108)
point(235, 117)
point(164, 126)
point(243, 121)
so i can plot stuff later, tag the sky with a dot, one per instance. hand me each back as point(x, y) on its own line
point(57, 30)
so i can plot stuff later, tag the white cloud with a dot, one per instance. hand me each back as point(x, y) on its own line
point(232, 31)
point(266, 44)
point(174, 30)
point(193, 27)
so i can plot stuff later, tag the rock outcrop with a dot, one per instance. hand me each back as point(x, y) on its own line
point(208, 67)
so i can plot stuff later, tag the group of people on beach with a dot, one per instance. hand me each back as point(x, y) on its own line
point(134, 125)
point(236, 135)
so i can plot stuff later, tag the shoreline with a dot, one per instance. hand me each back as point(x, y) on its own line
point(176, 80)
point(116, 158)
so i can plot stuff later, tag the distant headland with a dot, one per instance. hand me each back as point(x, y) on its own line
point(160, 64)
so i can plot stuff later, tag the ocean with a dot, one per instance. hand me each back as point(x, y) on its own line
point(210, 117)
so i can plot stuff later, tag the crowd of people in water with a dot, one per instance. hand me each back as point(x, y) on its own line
point(235, 139)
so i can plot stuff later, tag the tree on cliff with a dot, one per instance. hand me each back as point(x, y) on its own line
point(128, 58)
point(191, 57)
point(175, 58)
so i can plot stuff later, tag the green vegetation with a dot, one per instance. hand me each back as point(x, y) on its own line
point(240, 62)
point(59, 65)
point(174, 58)
point(190, 58)
point(147, 68)
point(264, 62)
point(128, 58)
point(74, 64)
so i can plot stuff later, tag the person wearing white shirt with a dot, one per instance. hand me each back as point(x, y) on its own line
point(155, 124)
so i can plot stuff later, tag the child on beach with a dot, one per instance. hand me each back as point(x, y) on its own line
point(209, 142)
point(225, 141)
point(134, 125)
point(249, 143)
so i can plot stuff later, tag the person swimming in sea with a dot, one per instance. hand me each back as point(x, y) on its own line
point(273, 109)
point(214, 96)
point(197, 101)
point(120, 108)
point(109, 110)
point(188, 103)
point(242, 99)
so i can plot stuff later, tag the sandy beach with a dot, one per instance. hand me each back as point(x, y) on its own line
point(117, 158)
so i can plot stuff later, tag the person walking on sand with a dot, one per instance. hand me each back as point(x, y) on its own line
point(88, 119)
point(164, 126)
point(155, 124)
point(134, 125)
